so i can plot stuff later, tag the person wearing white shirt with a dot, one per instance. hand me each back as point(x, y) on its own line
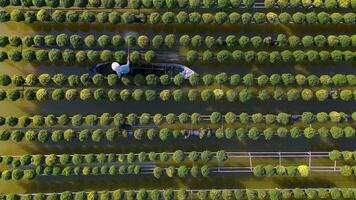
point(121, 69)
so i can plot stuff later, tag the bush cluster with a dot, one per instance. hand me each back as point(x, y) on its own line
point(72, 56)
point(170, 171)
point(347, 156)
point(137, 4)
point(332, 5)
point(178, 95)
point(196, 41)
point(181, 171)
point(164, 134)
point(85, 80)
point(279, 170)
point(201, 194)
point(31, 173)
point(78, 159)
point(117, 119)
point(193, 4)
point(182, 17)
point(223, 56)
point(273, 57)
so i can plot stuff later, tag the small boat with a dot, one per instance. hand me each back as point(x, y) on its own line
point(158, 69)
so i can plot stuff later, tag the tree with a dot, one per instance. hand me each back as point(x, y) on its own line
point(303, 170)
point(221, 156)
point(13, 94)
point(254, 133)
point(298, 193)
point(17, 15)
point(309, 132)
point(42, 94)
point(308, 117)
point(224, 56)
point(245, 95)
point(336, 132)
point(346, 170)
point(259, 171)
point(17, 174)
point(192, 56)
point(205, 170)
point(335, 193)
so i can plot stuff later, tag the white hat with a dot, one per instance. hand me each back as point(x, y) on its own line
point(115, 66)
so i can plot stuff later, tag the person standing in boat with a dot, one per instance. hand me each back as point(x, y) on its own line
point(121, 69)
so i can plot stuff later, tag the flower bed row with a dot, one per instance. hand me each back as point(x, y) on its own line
point(117, 119)
point(201, 194)
point(171, 41)
point(182, 17)
point(178, 95)
point(171, 171)
point(240, 134)
point(78, 159)
point(112, 80)
point(178, 4)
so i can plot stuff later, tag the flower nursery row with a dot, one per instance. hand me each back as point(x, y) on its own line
point(112, 80)
point(171, 41)
point(182, 17)
point(113, 134)
point(178, 95)
point(117, 119)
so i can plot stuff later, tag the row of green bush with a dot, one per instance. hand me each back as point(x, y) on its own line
point(117, 119)
point(273, 57)
point(280, 170)
point(301, 170)
point(173, 4)
point(182, 17)
point(72, 56)
point(85, 80)
point(223, 56)
point(177, 156)
point(348, 170)
point(135, 4)
point(30, 173)
point(342, 155)
point(328, 4)
point(201, 194)
point(240, 134)
point(170, 171)
point(178, 95)
point(172, 40)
